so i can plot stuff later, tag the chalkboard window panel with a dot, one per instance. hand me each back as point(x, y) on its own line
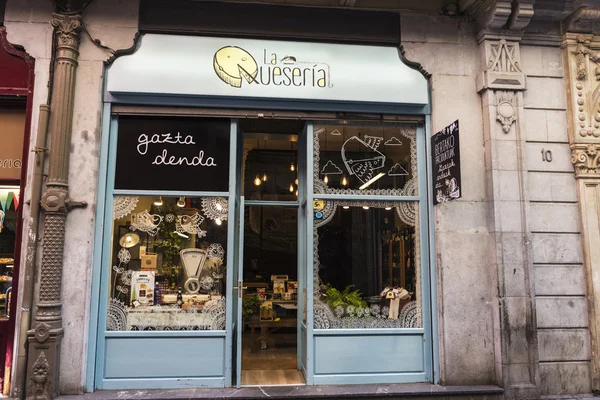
point(173, 153)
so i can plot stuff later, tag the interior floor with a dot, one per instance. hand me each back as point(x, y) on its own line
point(274, 365)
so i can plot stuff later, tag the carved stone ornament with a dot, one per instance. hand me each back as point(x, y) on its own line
point(67, 29)
point(506, 109)
point(39, 377)
point(503, 71)
point(42, 332)
point(587, 88)
point(586, 160)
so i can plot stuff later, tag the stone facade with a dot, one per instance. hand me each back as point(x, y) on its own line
point(514, 262)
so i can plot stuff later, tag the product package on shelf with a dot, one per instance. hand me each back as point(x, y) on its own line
point(142, 288)
point(149, 261)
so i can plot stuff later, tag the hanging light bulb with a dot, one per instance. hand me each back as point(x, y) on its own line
point(291, 188)
point(365, 208)
point(265, 177)
point(158, 202)
point(296, 193)
point(292, 167)
point(326, 180)
point(257, 181)
point(181, 202)
point(296, 181)
point(388, 208)
point(344, 181)
point(346, 207)
point(218, 221)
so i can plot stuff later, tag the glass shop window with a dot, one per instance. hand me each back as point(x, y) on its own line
point(367, 266)
point(365, 158)
point(168, 263)
point(366, 251)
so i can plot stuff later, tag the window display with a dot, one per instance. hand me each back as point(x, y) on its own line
point(9, 203)
point(168, 263)
point(367, 270)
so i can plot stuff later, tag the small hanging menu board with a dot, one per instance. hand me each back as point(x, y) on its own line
point(173, 153)
point(445, 155)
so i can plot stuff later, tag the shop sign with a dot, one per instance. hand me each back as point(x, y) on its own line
point(267, 69)
point(12, 131)
point(445, 155)
point(173, 154)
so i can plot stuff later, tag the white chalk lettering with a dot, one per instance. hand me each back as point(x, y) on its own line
point(144, 141)
point(165, 159)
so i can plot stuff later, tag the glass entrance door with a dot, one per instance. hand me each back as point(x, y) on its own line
point(270, 257)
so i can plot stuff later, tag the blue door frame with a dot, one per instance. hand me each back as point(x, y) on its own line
point(95, 376)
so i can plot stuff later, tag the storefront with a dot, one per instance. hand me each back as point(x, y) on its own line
point(266, 217)
point(16, 86)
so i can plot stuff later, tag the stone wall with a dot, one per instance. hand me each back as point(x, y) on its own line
point(559, 281)
point(447, 49)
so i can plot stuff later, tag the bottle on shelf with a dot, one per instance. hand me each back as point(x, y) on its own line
point(156, 294)
point(179, 298)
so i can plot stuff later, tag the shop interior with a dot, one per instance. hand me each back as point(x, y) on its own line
point(270, 266)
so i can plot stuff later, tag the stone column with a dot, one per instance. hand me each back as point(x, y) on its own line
point(501, 85)
point(45, 338)
point(581, 46)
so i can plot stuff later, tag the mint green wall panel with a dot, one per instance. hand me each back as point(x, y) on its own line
point(369, 354)
point(181, 357)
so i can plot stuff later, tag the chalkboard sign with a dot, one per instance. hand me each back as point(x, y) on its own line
point(445, 155)
point(173, 153)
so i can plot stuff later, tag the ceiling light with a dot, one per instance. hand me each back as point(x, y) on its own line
point(264, 177)
point(291, 188)
point(218, 221)
point(292, 167)
point(296, 181)
point(346, 207)
point(181, 202)
point(365, 208)
point(326, 180)
point(344, 181)
point(388, 208)
point(370, 181)
point(158, 202)
point(257, 181)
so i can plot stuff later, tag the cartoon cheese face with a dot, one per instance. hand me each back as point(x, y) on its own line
point(232, 63)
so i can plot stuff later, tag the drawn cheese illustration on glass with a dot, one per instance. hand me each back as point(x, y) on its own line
point(369, 160)
point(233, 63)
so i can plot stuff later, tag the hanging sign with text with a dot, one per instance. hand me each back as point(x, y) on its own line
point(158, 153)
point(445, 155)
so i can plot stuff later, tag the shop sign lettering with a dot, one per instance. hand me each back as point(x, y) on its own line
point(234, 65)
point(164, 158)
point(445, 154)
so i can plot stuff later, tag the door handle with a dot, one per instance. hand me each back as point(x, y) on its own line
point(240, 285)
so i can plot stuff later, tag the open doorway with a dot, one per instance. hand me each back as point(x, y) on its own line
point(270, 307)
point(270, 253)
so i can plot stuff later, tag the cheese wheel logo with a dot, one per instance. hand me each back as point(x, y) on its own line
point(233, 63)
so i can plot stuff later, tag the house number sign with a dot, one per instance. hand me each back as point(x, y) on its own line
point(546, 155)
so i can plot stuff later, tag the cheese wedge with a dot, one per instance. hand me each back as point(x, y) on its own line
point(232, 63)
